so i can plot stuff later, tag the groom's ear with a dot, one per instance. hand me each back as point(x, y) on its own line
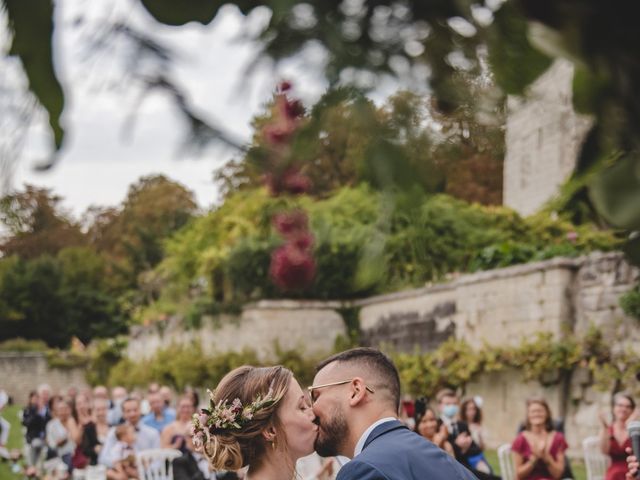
point(269, 433)
point(358, 392)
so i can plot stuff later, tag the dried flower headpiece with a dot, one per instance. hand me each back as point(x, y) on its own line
point(223, 416)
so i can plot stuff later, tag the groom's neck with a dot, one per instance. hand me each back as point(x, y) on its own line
point(360, 423)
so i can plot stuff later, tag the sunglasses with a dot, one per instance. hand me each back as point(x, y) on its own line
point(333, 384)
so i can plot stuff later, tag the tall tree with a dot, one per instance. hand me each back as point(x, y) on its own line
point(36, 224)
point(133, 235)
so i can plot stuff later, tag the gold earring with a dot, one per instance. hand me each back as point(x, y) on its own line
point(273, 444)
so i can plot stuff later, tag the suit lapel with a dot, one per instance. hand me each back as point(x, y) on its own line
point(383, 429)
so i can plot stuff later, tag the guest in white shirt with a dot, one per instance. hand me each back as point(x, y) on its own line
point(118, 395)
point(61, 431)
point(123, 454)
point(146, 437)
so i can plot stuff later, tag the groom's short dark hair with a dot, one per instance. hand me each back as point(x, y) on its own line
point(375, 362)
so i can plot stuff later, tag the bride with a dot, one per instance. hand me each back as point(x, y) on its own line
point(257, 417)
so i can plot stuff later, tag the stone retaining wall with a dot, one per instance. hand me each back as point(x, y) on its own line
point(310, 326)
point(20, 373)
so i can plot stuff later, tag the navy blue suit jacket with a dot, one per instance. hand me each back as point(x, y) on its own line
point(393, 452)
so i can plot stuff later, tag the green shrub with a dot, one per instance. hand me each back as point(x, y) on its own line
point(104, 355)
point(23, 345)
point(182, 366)
point(366, 242)
point(630, 302)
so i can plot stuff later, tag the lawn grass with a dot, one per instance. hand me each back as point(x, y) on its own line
point(10, 414)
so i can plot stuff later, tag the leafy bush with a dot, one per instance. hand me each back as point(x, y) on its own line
point(182, 366)
point(104, 355)
point(23, 345)
point(455, 363)
point(630, 302)
point(366, 242)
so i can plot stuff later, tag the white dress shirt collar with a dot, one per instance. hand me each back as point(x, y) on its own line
point(367, 432)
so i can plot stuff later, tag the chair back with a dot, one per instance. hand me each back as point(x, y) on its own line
point(507, 466)
point(95, 472)
point(595, 461)
point(156, 464)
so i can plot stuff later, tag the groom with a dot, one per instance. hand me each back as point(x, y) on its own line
point(356, 397)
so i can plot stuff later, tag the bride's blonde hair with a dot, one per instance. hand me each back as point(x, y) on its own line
point(234, 448)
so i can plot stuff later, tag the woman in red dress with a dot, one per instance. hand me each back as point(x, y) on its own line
point(538, 451)
point(614, 438)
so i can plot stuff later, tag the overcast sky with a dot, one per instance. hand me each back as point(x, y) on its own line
point(102, 157)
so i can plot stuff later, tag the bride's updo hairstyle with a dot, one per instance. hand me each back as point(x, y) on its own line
point(245, 403)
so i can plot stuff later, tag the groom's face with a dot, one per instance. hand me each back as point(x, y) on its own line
point(329, 408)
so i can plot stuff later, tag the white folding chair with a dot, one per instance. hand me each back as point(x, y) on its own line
point(95, 472)
point(507, 466)
point(156, 464)
point(595, 461)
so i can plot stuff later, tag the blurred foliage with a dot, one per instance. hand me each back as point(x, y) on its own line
point(132, 235)
point(103, 356)
point(223, 256)
point(345, 140)
point(420, 42)
point(57, 298)
point(60, 279)
point(454, 364)
point(35, 224)
point(22, 345)
point(630, 302)
point(56, 358)
point(182, 366)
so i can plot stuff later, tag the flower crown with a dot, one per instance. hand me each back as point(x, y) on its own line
point(223, 416)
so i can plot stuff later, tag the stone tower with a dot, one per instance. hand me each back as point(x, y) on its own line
point(543, 138)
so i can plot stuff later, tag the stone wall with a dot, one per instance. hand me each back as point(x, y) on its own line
point(501, 307)
point(310, 326)
point(543, 136)
point(20, 373)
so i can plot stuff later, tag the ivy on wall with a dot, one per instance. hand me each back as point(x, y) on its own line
point(455, 364)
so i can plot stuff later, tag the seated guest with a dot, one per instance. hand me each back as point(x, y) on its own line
point(146, 437)
point(539, 450)
point(167, 397)
point(614, 438)
point(433, 429)
point(471, 414)
point(95, 432)
point(61, 431)
point(174, 434)
point(35, 417)
point(191, 466)
point(467, 452)
point(123, 454)
point(159, 416)
point(118, 395)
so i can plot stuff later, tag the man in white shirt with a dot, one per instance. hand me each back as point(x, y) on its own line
point(146, 437)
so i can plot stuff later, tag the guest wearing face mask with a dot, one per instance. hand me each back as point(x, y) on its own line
point(466, 451)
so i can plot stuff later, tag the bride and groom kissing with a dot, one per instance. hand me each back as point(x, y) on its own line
point(260, 417)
